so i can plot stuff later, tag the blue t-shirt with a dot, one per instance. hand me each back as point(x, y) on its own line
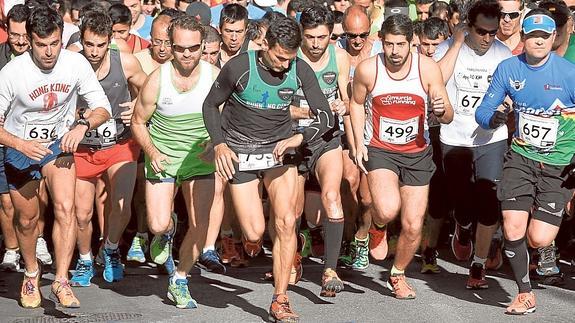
point(543, 103)
point(146, 28)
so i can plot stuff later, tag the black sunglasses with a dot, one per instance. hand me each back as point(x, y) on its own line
point(182, 49)
point(354, 36)
point(512, 15)
point(336, 36)
point(483, 32)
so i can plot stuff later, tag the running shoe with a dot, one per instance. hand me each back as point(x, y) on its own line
point(547, 264)
point(378, 242)
point(11, 260)
point(429, 261)
point(210, 261)
point(138, 249)
point(495, 257)
point(161, 246)
point(62, 294)
point(305, 241)
point(168, 268)
point(523, 303)
point(346, 254)
point(476, 279)
point(360, 254)
point(399, 286)
point(179, 293)
point(280, 311)
point(30, 293)
point(228, 251)
point(317, 244)
point(113, 268)
point(83, 274)
point(242, 260)
point(296, 270)
point(99, 259)
point(461, 243)
point(252, 249)
point(331, 284)
point(42, 252)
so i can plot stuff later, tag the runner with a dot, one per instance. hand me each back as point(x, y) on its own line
point(253, 134)
point(212, 46)
point(233, 25)
point(141, 23)
point(509, 31)
point(174, 147)
point(107, 153)
point(472, 156)
point(398, 157)
point(122, 20)
point(540, 84)
point(42, 146)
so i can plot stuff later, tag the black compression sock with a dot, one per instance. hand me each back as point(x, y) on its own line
point(518, 255)
point(333, 229)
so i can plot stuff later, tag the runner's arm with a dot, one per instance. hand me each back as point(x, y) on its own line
point(436, 91)
point(324, 119)
point(343, 67)
point(143, 110)
point(362, 83)
point(494, 97)
point(220, 92)
point(447, 59)
point(91, 91)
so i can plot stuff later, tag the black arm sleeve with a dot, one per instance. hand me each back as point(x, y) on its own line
point(219, 93)
point(324, 118)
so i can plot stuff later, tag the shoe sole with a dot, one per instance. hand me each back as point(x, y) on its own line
point(477, 287)
point(529, 311)
point(183, 307)
point(138, 260)
point(219, 271)
point(55, 299)
point(271, 318)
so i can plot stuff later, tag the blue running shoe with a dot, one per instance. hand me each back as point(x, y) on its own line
point(168, 268)
point(138, 250)
point(179, 293)
point(83, 274)
point(113, 268)
point(210, 261)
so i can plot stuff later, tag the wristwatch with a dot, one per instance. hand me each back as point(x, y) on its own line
point(84, 122)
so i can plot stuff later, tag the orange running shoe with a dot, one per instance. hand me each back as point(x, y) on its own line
point(280, 311)
point(378, 242)
point(399, 286)
point(30, 294)
point(241, 260)
point(252, 248)
point(296, 270)
point(62, 293)
point(523, 303)
point(229, 252)
point(331, 284)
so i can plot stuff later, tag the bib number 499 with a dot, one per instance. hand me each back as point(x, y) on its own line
point(398, 132)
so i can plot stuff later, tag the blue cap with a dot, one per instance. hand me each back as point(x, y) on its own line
point(542, 23)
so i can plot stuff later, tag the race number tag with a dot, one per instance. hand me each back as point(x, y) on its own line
point(398, 132)
point(467, 102)
point(46, 131)
point(257, 161)
point(104, 135)
point(537, 131)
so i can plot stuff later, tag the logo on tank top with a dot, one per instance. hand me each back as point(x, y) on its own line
point(392, 99)
point(517, 85)
point(166, 101)
point(48, 94)
point(286, 93)
point(328, 77)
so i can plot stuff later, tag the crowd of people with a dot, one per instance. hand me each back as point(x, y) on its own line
point(320, 121)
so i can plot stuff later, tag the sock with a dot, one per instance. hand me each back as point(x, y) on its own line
point(395, 271)
point(109, 245)
point(176, 276)
point(207, 248)
point(142, 235)
point(333, 229)
point(361, 241)
point(86, 257)
point(477, 260)
point(516, 252)
point(226, 233)
point(466, 227)
point(378, 226)
point(31, 275)
point(311, 225)
point(100, 238)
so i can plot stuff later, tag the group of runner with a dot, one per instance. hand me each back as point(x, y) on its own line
point(350, 130)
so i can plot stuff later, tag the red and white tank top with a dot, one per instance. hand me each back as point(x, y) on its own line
point(396, 114)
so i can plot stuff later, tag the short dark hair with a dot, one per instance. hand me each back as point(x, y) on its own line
point(254, 29)
point(316, 16)
point(94, 6)
point(398, 24)
point(487, 8)
point(232, 13)
point(170, 12)
point(120, 14)
point(439, 6)
point(423, 1)
point(284, 32)
point(270, 16)
point(18, 13)
point(212, 34)
point(44, 21)
point(186, 22)
point(78, 4)
point(297, 5)
point(337, 17)
point(97, 22)
point(558, 9)
point(433, 28)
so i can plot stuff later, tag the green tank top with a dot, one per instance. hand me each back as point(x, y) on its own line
point(261, 95)
point(327, 79)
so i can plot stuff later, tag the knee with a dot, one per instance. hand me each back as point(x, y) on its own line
point(331, 199)
point(64, 208)
point(27, 221)
point(285, 225)
point(157, 225)
point(353, 180)
point(412, 229)
point(536, 241)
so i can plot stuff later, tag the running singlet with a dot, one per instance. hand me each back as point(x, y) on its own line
point(177, 126)
point(115, 86)
point(397, 119)
point(41, 105)
point(466, 87)
point(544, 105)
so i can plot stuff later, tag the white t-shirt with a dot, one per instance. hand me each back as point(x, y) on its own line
point(42, 104)
point(466, 87)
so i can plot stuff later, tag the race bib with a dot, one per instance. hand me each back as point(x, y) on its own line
point(467, 102)
point(398, 132)
point(537, 131)
point(257, 161)
point(46, 131)
point(104, 135)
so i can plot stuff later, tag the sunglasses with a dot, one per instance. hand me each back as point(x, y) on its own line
point(482, 32)
point(182, 49)
point(354, 36)
point(511, 15)
point(336, 36)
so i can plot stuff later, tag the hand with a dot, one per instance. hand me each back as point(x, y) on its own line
point(33, 149)
point(224, 158)
point(499, 118)
point(72, 138)
point(157, 161)
point(338, 106)
point(569, 181)
point(126, 115)
point(207, 156)
point(438, 107)
point(286, 144)
point(360, 156)
point(459, 33)
point(2, 119)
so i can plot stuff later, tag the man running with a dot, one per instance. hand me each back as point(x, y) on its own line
point(41, 133)
point(398, 158)
point(540, 83)
point(174, 146)
point(252, 136)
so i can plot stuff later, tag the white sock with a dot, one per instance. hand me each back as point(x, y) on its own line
point(86, 257)
point(207, 248)
point(143, 235)
point(177, 276)
point(310, 225)
point(477, 260)
point(226, 233)
point(109, 245)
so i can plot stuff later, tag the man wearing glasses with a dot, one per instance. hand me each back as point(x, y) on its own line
point(472, 156)
point(175, 146)
point(537, 165)
point(509, 31)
